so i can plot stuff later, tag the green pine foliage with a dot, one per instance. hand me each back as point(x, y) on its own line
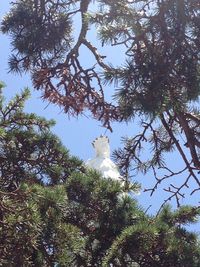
point(29, 151)
point(162, 68)
point(32, 162)
point(55, 212)
point(157, 82)
point(98, 208)
point(41, 34)
point(154, 243)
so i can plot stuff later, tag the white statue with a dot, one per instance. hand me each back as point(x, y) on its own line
point(102, 161)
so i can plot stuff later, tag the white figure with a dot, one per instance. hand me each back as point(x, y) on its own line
point(102, 161)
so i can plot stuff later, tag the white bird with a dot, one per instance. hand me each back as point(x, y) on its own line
point(102, 161)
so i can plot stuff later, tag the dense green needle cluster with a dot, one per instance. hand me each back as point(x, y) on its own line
point(41, 34)
point(55, 212)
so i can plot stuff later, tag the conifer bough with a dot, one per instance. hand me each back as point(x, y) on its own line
point(54, 212)
point(158, 82)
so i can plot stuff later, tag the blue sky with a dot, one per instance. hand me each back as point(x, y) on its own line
point(76, 134)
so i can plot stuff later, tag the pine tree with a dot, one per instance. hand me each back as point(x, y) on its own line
point(58, 213)
point(55, 212)
point(34, 165)
point(158, 84)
